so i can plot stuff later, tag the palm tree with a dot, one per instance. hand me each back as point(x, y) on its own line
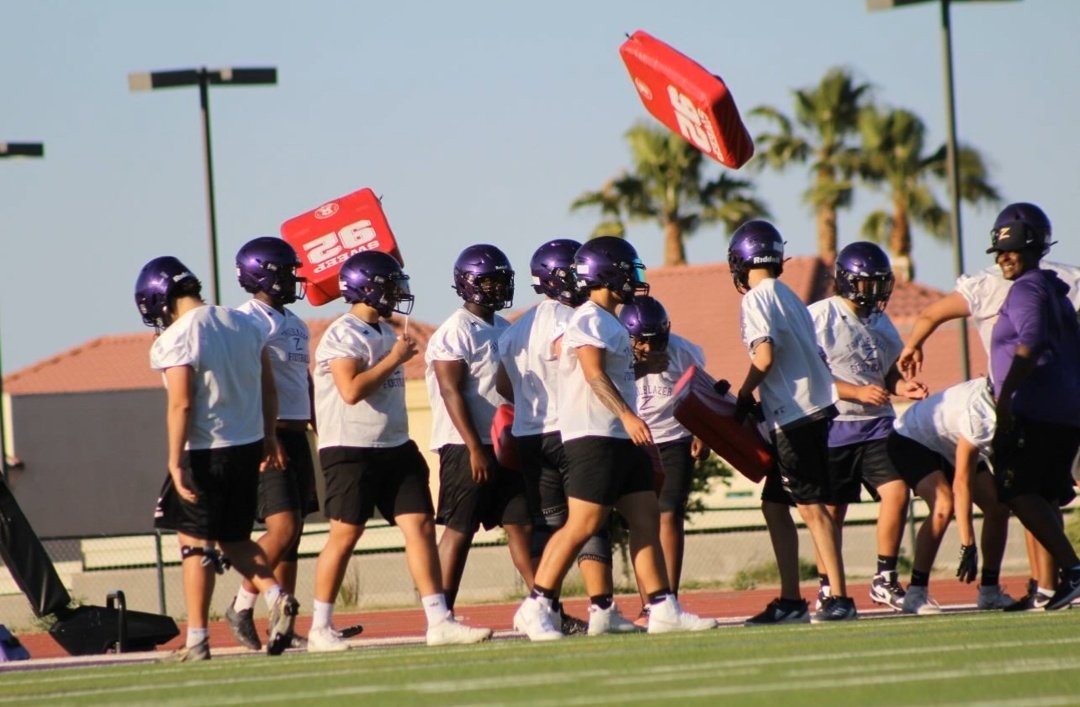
point(893, 143)
point(667, 184)
point(826, 116)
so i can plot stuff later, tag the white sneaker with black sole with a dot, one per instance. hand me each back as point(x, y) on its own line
point(886, 590)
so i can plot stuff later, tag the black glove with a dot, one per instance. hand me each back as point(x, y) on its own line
point(744, 407)
point(969, 563)
point(722, 386)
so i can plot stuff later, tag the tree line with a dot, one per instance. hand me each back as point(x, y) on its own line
point(838, 133)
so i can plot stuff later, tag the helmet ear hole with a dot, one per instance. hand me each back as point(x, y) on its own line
point(269, 265)
point(483, 276)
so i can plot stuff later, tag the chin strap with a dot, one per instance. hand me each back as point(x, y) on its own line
point(211, 557)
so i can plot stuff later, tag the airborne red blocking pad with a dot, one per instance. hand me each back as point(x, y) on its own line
point(710, 415)
point(687, 98)
point(326, 236)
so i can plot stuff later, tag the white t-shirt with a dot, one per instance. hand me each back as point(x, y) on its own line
point(527, 352)
point(962, 410)
point(288, 347)
point(465, 337)
point(655, 402)
point(581, 414)
point(380, 419)
point(858, 351)
point(799, 383)
point(224, 349)
point(985, 292)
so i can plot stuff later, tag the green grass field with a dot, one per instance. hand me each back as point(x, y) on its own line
point(989, 659)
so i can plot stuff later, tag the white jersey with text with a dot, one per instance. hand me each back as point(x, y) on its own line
point(224, 349)
point(985, 292)
point(289, 356)
point(527, 350)
point(799, 383)
point(380, 419)
point(581, 414)
point(655, 399)
point(857, 350)
point(468, 338)
point(964, 410)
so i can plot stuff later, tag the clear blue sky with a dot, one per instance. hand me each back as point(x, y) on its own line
point(476, 121)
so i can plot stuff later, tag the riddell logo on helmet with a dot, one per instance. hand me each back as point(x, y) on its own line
point(763, 259)
point(326, 211)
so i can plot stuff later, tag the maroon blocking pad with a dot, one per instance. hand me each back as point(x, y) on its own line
point(687, 98)
point(710, 416)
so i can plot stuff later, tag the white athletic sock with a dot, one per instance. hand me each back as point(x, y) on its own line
point(435, 608)
point(244, 600)
point(271, 595)
point(1046, 592)
point(195, 636)
point(322, 614)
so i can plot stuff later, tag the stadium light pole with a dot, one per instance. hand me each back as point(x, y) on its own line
point(12, 150)
point(951, 154)
point(204, 78)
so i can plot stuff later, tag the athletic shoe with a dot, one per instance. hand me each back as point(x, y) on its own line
point(609, 620)
point(298, 642)
point(1033, 599)
point(282, 618)
point(572, 625)
point(1068, 589)
point(349, 631)
point(536, 622)
point(782, 611)
point(835, 608)
point(668, 617)
point(993, 598)
point(325, 639)
point(190, 654)
point(918, 601)
point(642, 620)
point(242, 624)
point(884, 589)
point(824, 592)
point(449, 632)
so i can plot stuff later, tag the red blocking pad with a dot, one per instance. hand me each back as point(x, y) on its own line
point(687, 98)
point(504, 441)
point(326, 236)
point(710, 416)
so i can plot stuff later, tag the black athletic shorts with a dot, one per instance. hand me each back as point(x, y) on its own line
point(802, 461)
point(678, 475)
point(225, 481)
point(604, 469)
point(544, 469)
point(465, 505)
point(361, 479)
point(292, 488)
point(854, 465)
point(915, 461)
point(1036, 459)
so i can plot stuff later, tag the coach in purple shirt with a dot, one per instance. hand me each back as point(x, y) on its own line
point(1035, 365)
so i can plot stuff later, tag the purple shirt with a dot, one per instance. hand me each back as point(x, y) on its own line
point(845, 432)
point(1037, 314)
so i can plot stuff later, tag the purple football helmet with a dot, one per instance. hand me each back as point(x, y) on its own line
point(376, 279)
point(1020, 226)
point(158, 281)
point(613, 263)
point(552, 268)
point(864, 276)
point(483, 276)
point(647, 320)
point(268, 265)
point(754, 244)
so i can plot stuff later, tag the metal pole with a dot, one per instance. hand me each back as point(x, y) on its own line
point(952, 162)
point(211, 212)
point(3, 428)
point(160, 572)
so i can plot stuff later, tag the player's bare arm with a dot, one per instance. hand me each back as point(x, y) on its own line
point(179, 383)
point(951, 306)
point(1023, 364)
point(273, 453)
point(591, 359)
point(450, 376)
point(355, 381)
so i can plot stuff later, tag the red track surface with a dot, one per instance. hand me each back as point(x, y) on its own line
point(410, 622)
